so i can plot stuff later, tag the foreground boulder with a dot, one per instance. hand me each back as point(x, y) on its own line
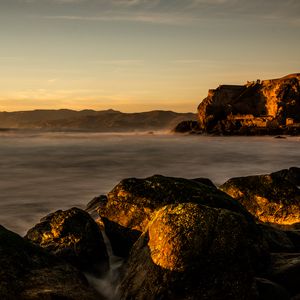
point(279, 240)
point(285, 270)
point(131, 203)
point(28, 272)
point(272, 198)
point(269, 290)
point(260, 107)
point(74, 236)
point(192, 251)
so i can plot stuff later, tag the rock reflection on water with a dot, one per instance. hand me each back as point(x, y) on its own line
point(42, 172)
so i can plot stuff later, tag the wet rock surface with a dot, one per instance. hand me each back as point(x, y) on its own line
point(272, 198)
point(190, 251)
point(74, 236)
point(131, 203)
point(28, 272)
point(133, 200)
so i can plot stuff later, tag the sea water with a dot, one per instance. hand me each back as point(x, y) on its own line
point(44, 172)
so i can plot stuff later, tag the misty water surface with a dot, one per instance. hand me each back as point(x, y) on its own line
point(45, 172)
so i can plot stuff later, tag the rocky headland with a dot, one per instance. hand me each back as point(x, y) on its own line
point(178, 238)
point(267, 107)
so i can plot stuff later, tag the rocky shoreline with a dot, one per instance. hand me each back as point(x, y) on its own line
point(267, 107)
point(178, 239)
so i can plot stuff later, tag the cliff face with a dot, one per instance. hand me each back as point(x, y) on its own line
point(269, 104)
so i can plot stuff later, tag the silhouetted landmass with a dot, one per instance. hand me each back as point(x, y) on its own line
point(90, 120)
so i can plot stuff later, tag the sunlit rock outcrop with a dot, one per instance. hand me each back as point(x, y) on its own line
point(272, 198)
point(28, 272)
point(74, 236)
point(192, 251)
point(131, 203)
point(260, 107)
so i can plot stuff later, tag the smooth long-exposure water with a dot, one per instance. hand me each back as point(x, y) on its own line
point(43, 172)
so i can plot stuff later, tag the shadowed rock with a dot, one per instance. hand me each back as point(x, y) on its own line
point(74, 236)
point(121, 238)
point(292, 175)
point(269, 290)
point(285, 270)
point(28, 272)
point(271, 198)
point(278, 240)
point(294, 236)
point(187, 127)
point(191, 251)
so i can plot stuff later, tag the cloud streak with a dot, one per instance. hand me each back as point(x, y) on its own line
point(120, 62)
point(151, 18)
point(159, 11)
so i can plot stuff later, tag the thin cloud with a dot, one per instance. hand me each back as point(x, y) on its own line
point(121, 62)
point(154, 18)
point(192, 61)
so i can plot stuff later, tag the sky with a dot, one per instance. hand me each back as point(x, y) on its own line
point(140, 55)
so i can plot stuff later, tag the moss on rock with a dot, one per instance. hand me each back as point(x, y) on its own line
point(192, 251)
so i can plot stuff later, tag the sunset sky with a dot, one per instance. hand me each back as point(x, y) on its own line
point(139, 55)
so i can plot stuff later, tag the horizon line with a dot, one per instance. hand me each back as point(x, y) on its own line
point(94, 110)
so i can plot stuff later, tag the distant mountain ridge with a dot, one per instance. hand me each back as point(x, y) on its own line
point(91, 120)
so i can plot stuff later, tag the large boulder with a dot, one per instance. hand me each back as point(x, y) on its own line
point(74, 236)
point(131, 203)
point(261, 107)
point(192, 251)
point(28, 272)
point(294, 236)
point(271, 198)
point(292, 175)
point(269, 290)
point(277, 239)
point(133, 200)
point(285, 270)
